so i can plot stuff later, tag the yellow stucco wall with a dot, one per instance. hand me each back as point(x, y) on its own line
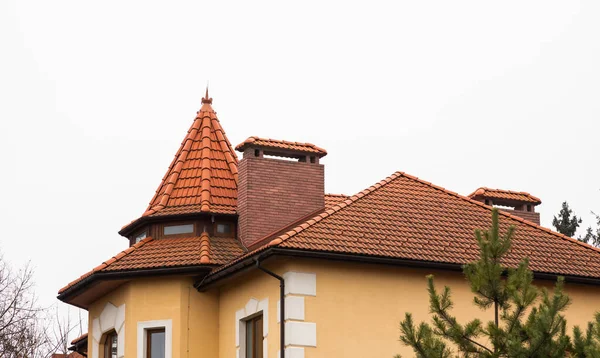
point(358, 307)
point(234, 296)
point(194, 315)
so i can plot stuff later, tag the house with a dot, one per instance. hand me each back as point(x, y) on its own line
point(227, 244)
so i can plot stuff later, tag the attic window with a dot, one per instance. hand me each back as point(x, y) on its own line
point(140, 237)
point(223, 228)
point(178, 229)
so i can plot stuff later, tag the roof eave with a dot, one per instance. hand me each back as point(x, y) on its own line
point(80, 287)
point(248, 263)
point(142, 220)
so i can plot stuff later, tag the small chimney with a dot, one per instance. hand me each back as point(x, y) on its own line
point(279, 183)
point(523, 204)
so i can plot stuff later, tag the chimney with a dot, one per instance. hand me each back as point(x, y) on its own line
point(523, 204)
point(279, 183)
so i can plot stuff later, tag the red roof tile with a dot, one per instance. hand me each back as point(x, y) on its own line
point(80, 338)
point(173, 252)
point(334, 199)
point(203, 176)
point(407, 218)
point(280, 144)
point(504, 195)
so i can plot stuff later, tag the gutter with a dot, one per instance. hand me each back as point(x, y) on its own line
point(82, 285)
point(246, 264)
point(281, 306)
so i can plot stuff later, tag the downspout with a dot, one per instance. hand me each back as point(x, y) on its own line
point(281, 306)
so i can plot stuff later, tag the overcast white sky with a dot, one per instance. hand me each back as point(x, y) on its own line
point(95, 98)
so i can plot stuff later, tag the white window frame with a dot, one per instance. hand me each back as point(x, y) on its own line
point(252, 309)
point(142, 336)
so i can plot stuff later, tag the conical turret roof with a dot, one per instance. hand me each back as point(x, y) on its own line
point(203, 176)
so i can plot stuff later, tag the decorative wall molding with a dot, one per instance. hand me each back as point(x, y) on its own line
point(300, 283)
point(298, 334)
point(294, 308)
point(252, 307)
point(293, 352)
point(142, 338)
point(111, 318)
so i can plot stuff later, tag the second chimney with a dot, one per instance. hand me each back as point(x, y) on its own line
point(523, 203)
point(279, 183)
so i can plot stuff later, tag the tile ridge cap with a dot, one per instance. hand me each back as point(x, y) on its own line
point(332, 210)
point(502, 212)
point(205, 248)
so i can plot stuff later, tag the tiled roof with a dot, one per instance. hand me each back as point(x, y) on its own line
point(203, 176)
point(80, 338)
point(404, 217)
point(506, 195)
point(174, 252)
point(281, 144)
point(334, 199)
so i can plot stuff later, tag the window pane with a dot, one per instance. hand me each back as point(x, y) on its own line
point(223, 228)
point(157, 344)
point(110, 346)
point(140, 237)
point(249, 339)
point(258, 337)
point(179, 229)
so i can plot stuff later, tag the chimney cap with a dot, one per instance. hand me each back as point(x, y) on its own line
point(504, 197)
point(281, 145)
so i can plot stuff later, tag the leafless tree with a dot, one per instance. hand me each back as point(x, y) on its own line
point(26, 329)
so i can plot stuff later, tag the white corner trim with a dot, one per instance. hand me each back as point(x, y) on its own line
point(252, 307)
point(167, 324)
point(239, 316)
point(96, 332)
point(293, 352)
point(264, 307)
point(300, 283)
point(111, 318)
point(300, 334)
point(294, 308)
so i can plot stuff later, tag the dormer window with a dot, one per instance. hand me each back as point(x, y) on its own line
point(140, 237)
point(178, 229)
point(223, 228)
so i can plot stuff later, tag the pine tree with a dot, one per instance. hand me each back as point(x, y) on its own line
point(591, 237)
point(527, 321)
point(565, 223)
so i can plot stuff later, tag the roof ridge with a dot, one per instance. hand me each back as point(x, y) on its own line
point(339, 195)
point(337, 207)
point(204, 248)
point(502, 212)
point(108, 262)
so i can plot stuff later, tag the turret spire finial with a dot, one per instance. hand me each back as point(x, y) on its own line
point(206, 99)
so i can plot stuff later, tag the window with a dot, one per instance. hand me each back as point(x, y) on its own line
point(223, 228)
point(155, 339)
point(140, 237)
point(110, 345)
point(254, 337)
point(156, 343)
point(179, 229)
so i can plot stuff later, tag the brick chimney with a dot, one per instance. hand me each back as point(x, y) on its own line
point(523, 203)
point(279, 183)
